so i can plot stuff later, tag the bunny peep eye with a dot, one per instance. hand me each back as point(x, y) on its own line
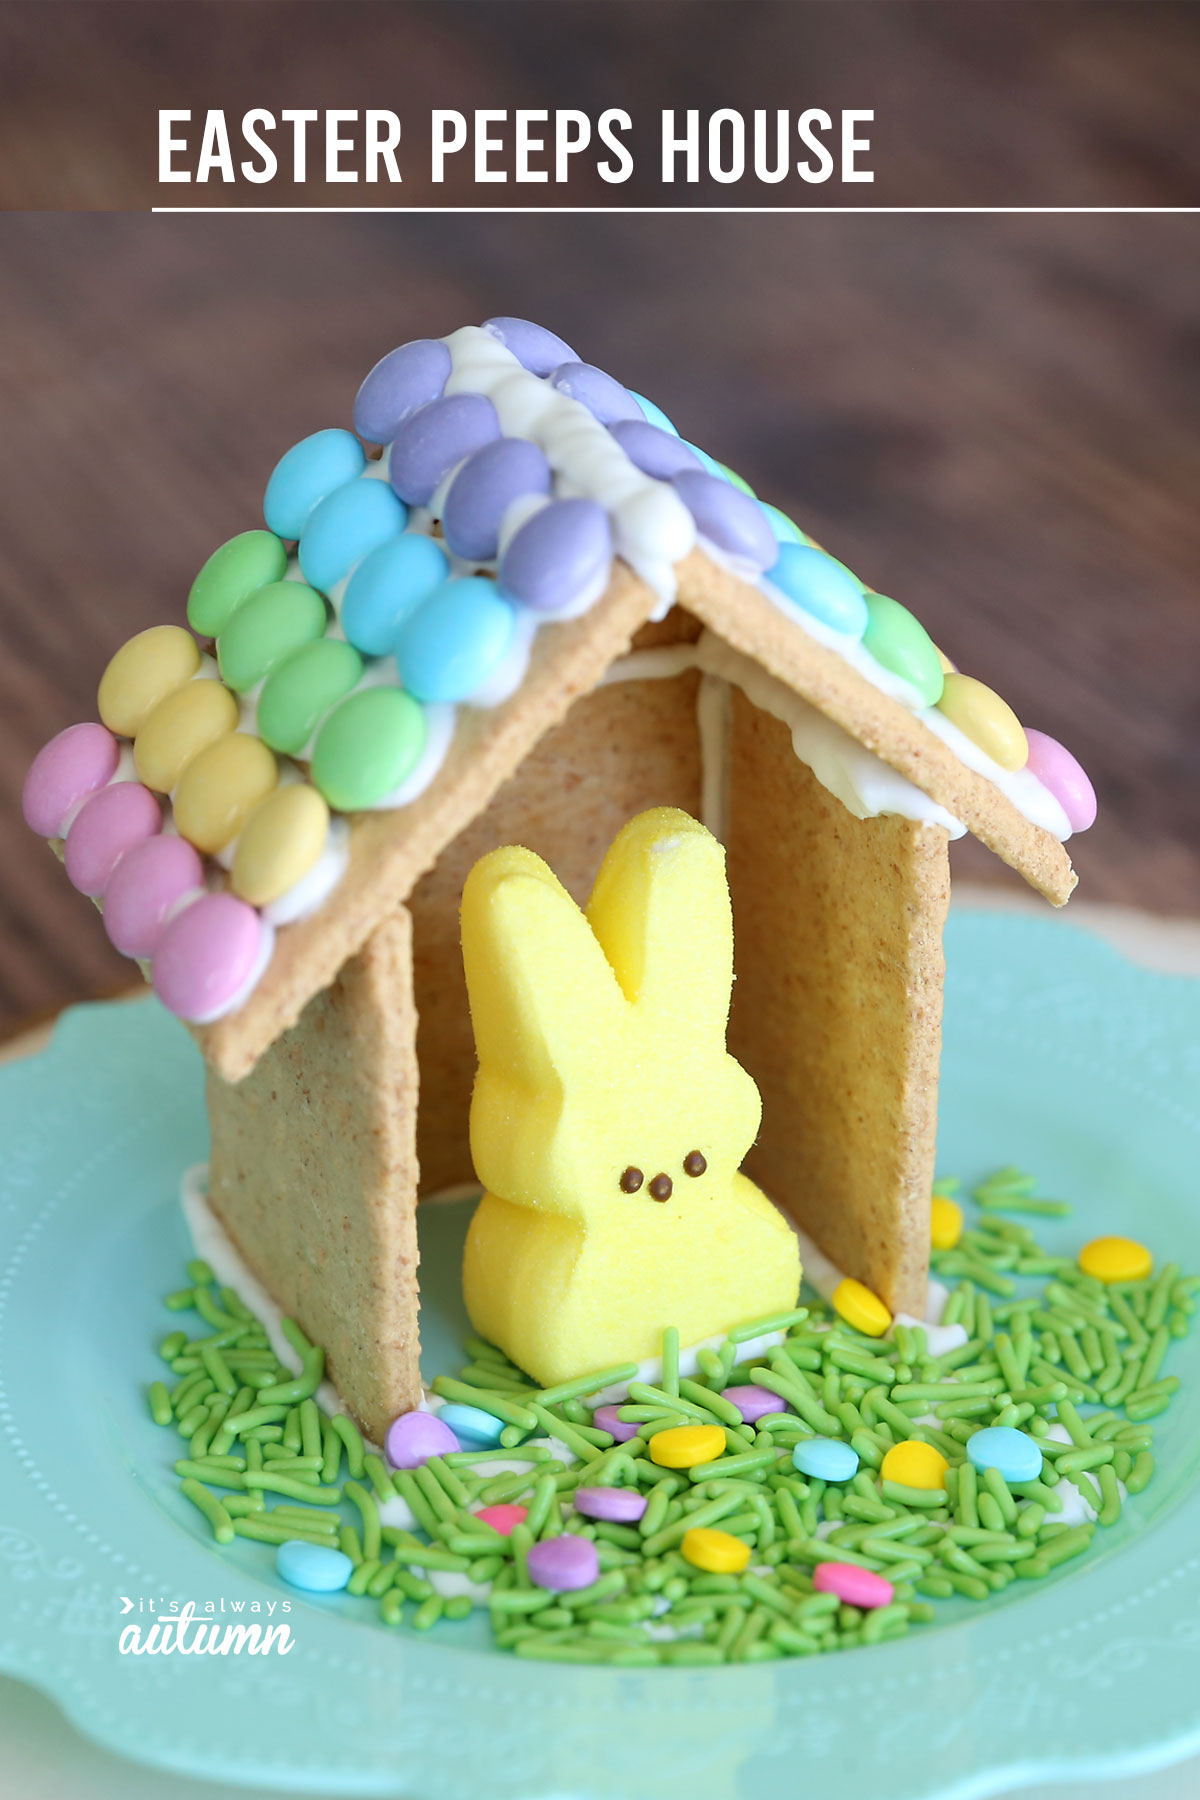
point(660, 1188)
point(694, 1163)
point(631, 1180)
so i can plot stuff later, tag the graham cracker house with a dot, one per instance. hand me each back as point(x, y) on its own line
point(339, 1093)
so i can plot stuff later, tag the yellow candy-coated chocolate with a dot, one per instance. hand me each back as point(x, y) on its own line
point(602, 1068)
point(860, 1307)
point(221, 787)
point(143, 672)
point(986, 719)
point(279, 843)
point(717, 1551)
point(915, 1465)
point(179, 728)
point(948, 668)
point(1116, 1259)
point(945, 1222)
point(683, 1446)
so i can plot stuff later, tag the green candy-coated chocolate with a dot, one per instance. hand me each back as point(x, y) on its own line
point(279, 618)
point(367, 747)
point(901, 644)
point(231, 574)
point(301, 689)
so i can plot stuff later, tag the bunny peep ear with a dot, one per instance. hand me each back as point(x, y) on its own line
point(544, 1004)
point(661, 910)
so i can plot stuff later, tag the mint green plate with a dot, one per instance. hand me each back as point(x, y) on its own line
point(1059, 1055)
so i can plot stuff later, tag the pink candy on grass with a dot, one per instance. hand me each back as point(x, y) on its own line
point(616, 1506)
point(852, 1585)
point(605, 1418)
point(105, 827)
point(416, 1436)
point(504, 1517)
point(563, 1564)
point(754, 1402)
point(76, 763)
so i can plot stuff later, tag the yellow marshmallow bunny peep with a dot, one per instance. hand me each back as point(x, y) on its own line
point(608, 1119)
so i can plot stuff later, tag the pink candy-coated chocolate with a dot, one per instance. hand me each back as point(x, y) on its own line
point(754, 1402)
point(416, 1436)
point(1058, 770)
point(64, 772)
point(563, 1564)
point(503, 1518)
point(852, 1585)
point(621, 1430)
point(104, 828)
point(148, 881)
point(206, 955)
point(618, 1506)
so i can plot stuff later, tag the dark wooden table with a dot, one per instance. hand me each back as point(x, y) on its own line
point(993, 418)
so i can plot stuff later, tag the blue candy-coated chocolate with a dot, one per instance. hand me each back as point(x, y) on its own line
point(386, 586)
point(652, 450)
point(655, 414)
point(305, 474)
point(825, 1459)
point(557, 555)
point(785, 529)
point(435, 438)
point(728, 518)
point(313, 1568)
point(1014, 1453)
point(535, 348)
point(708, 462)
point(450, 645)
point(820, 586)
point(399, 383)
point(485, 486)
point(604, 398)
point(345, 527)
point(474, 1428)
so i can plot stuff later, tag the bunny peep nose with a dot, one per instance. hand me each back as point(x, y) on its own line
point(601, 1032)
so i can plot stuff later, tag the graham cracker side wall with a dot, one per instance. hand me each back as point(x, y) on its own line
point(837, 1007)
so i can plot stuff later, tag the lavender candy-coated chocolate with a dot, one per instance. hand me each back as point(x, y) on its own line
point(616, 1506)
point(535, 348)
point(205, 956)
point(416, 1436)
point(433, 439)
point(562, 1564)
point(65, 771)
point(604, 398)
point(104, 828)
point(728, 518)
point(485, 486)
point(606, 1418)
point(754, 1402)
point(557, 555)
point(652, 450)
point(399, 383)
point(146, 884)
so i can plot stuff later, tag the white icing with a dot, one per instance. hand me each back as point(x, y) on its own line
point(398, 1513)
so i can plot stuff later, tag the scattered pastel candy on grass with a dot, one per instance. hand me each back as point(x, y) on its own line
point(1116, 1259)
point(861, 1308)
point(945, 1222)
point(844, 1516)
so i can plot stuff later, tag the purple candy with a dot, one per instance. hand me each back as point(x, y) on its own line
point(753, 1402)
point(416, 1436)
point(563, 1563)
point(617, 1506)
point(605, 1419)
point(104, 828)
point(65, 771)
point(399, 383)
point(604, 398)
point(535, 348)
point(146, 884)
point(485, 486)
point(433, 439)
point(728, 518)
point(558, 555)
point(205, 956)
point(652, 450)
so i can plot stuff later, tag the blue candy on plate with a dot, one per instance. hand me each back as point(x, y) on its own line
point(474, 1428)
point(820, 585)
point(449, 646)
point(387, 585)
point(305, 474)
point(312, 1567)
point(825, 1459)
point(1014, 1453)
point(346, 526)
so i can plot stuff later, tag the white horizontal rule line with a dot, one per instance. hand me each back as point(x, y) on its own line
point(1152, 211)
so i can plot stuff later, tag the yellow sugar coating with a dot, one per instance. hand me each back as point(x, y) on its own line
point(183, 724)
point(601, 1046)
point(986, 719)
point(279, 843)
point(220, 788)
point(143, 672)
point(717, 1551)
point(914, 1464)
point(683, 1446)
point(1116, 1259)
point(945, 1222)
point(860, 1307)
